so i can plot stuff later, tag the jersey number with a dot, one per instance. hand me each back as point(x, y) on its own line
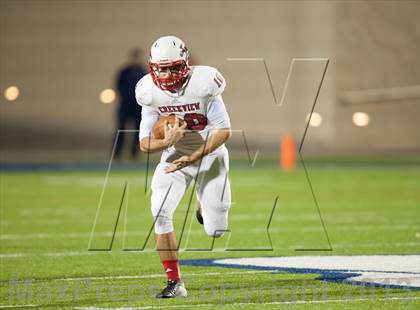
point(195, 121)
point(218, 80)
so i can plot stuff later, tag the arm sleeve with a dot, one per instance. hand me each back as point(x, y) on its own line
point(217, 114)
point(218, 83)
point(143, 91)
point(149, 116)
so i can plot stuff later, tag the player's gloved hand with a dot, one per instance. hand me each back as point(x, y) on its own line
point(174, 133)
point(179, 163)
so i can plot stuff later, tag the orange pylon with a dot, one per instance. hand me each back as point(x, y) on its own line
point(287, 153)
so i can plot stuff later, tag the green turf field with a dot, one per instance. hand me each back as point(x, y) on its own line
point(47, 218)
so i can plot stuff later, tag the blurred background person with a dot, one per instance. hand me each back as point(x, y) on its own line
point(128, 110)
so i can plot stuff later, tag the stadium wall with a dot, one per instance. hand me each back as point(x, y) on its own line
point(62, 54)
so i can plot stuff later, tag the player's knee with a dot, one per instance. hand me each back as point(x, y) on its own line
point(163, 219)
point(215, 231)
point(162, 213)
point(216, 220)
point(163, 224)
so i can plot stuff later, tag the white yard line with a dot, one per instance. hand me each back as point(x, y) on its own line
point(64, 235)
point(51, 221)
point(234, 304)
point(12, 255)
point(162, 275)
point(254, 303)
point(157, 275)
point(376, 245)
point(307, 228)
point(83, 253)
point(18, 306)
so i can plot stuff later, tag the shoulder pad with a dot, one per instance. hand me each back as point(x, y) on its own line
point(144, 91)
point(207, 81)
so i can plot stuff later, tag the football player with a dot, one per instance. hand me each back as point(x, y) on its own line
point(194, 150)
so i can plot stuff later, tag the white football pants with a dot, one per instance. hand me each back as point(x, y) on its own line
point(212, 189)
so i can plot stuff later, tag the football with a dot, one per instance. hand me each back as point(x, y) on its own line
point(158, 129)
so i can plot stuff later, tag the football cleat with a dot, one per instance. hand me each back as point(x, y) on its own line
point(199, 216)
point(173, 289)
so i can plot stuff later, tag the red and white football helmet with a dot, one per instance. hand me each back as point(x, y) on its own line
point(169, 52)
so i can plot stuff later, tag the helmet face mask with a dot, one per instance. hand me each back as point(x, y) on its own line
point(168, 64)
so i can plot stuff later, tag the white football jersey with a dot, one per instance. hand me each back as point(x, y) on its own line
point(199, 104)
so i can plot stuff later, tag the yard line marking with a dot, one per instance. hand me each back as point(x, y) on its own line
point(65, 235)
point(18, 306)
point(377, 245)
point(15, 255)
point(83, 253)
point(254, 303)
point(10, 255)
point(151, 276)
point(307, 228)
point(50, 221)
point(231, 304)
point(162, 275)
